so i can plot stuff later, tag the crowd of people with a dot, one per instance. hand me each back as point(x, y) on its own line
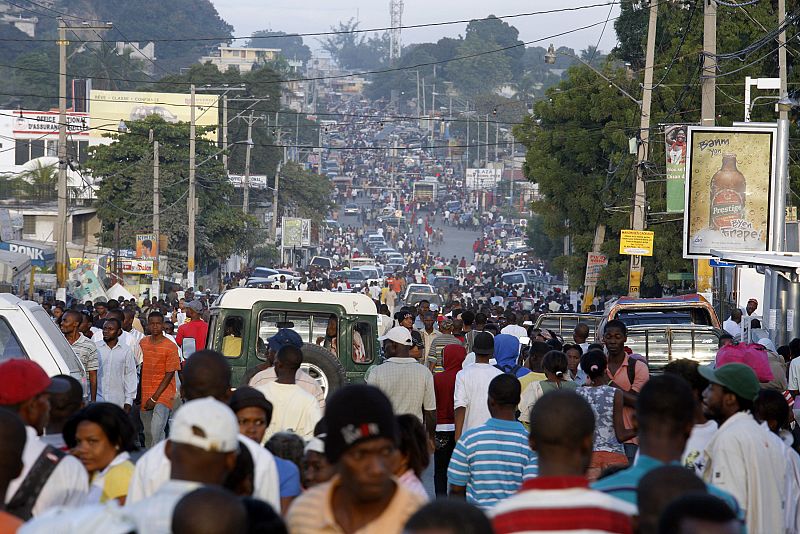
point(525, 432)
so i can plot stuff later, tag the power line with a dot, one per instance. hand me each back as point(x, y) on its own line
point(341, 32)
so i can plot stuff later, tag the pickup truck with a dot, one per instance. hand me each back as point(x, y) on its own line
point(661, 344)
point(681, 310)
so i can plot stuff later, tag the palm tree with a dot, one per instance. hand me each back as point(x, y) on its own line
point(110, 69)
point(40, 182)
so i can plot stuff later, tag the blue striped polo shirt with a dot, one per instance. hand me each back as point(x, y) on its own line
point(491, 461)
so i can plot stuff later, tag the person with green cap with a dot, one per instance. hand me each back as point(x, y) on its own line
point(742, 458)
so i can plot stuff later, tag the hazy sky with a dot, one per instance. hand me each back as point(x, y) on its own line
point(300, 16)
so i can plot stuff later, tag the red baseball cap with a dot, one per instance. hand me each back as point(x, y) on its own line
point(22, 379)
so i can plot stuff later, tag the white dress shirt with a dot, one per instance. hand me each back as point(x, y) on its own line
point(67, 485)
point(153, 470)
point(116, 376)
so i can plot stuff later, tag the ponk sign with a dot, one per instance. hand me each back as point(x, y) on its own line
point(729, 186)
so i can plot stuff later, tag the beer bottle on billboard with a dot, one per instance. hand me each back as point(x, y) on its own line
point(728, 188)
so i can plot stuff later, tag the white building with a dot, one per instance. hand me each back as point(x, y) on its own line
point(240, 58)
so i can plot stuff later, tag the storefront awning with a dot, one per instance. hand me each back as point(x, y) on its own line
point(41, 255)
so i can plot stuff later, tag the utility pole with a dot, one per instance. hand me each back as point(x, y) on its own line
point(419, 113)
point(191, 201)
point(225, 133)
point(708, 102)
point(246, 185)
point(60, 230)
point(783, 111)
point(277, 184)
point(155, 290)
point(61, 227)
point(486, 150)
point(639, 196)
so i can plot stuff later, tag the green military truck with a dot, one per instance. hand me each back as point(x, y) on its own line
point(339, 330)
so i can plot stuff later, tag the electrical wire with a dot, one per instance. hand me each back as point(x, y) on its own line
point(225, 38)
point(688, 25)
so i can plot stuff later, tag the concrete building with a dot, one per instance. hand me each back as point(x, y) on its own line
point(146, 53)
point(240, 58)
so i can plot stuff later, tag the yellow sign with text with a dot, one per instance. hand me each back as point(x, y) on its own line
point(636, 242)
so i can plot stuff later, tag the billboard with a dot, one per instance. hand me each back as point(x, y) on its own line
point(109, 107)
point(675, 144)
point(46, 122)
point(257, 181)
point(292, 232)
point(483, 178)
point(145, 245)
point(730, 180)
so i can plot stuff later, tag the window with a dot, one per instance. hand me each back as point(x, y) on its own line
point(698, 346)
point(363, 351)
point(37, 148)
point(232, 337)
point(78, 228)
point(9, 344)
point(22, 152)
point(29, 224)
point(270, 321)
point(83, 151)
point(52, 148)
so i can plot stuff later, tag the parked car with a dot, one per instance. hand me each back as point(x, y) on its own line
point(27, 331)
point(351, 209)
point(661, 344)
point(256, 314)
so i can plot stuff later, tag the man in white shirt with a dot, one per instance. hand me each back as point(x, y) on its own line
point(741, 456)
point(471, 395)
point(733, 324)
point(514, 327)
point(83, 347)
point(202, 446)
point(117, 381)
point(205, 374)
point(266, 372)
point(24, 389)
point(295, 409)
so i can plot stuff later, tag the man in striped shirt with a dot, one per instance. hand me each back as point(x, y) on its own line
point(559, 499)
point(489, 461)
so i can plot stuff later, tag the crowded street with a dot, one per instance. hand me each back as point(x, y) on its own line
point(424, 270)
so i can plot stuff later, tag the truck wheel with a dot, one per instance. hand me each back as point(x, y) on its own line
point(323, 367)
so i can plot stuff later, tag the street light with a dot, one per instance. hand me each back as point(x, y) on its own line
point(122, 127)
point(550, 59)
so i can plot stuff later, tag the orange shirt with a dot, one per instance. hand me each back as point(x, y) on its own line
point(397, 285)
point(641, 376)
point(9, 523)
point(158, 359)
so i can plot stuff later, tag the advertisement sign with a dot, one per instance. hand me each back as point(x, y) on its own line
point(675, 144)
point(292, 232)
point(145, 245)
point(257, 181)
point(483, 178)
point(136, 266)
point(306, 239)
point(40, 255)
point(46, 122)
point(83, 285)
point(594, 265)
point(636, 242)
point(730, 180)
point(107, 108)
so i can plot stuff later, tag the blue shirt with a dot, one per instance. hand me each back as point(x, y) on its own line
point(289, 477)
point(490, 460)
point(624, 483)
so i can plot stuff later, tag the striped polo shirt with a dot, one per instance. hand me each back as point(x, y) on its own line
point(491, 460)
point(562, 504)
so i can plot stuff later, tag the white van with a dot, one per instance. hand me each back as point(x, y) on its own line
point(27, 331)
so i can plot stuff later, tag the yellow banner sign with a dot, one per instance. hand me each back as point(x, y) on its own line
point(636, 242)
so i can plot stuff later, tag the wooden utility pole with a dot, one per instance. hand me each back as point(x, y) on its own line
point(192, 207)
point(155, 289)
point(640, 196)
point(708, 102)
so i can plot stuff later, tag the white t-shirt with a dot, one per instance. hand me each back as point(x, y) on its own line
point(694, 455)
point(472, 393)
point(732, 327)
point(294, 409)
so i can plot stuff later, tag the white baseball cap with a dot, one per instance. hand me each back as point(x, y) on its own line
point(399, 334)
point(206, 424)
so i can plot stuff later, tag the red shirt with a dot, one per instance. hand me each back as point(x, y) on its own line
point(197, 330)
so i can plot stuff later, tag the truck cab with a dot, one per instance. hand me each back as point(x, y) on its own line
point(339, 331)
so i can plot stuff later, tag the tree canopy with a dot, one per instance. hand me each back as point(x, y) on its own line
point(292, 46)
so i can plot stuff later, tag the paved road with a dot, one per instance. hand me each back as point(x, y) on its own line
point(456, 242)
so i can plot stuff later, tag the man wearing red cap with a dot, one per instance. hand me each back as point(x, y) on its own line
point(49, 478)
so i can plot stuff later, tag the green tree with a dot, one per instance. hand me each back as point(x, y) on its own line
point(125, 195)
point(479, 71)
point(306, 193)
point(353, 50)
point(109, 69)
point(292, 46)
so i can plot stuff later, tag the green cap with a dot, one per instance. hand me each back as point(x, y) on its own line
point(736, 377)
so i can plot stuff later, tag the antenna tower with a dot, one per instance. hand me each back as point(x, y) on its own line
point(396, 16)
